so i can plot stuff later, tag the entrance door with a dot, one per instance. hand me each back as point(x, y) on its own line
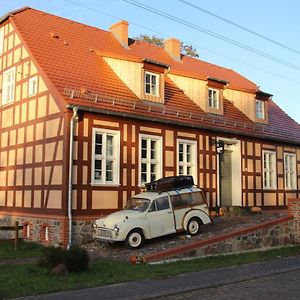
point(226, 179)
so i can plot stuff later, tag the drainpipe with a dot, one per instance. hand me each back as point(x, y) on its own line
point(72, 123)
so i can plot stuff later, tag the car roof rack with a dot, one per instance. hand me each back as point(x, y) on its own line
point(170, 183)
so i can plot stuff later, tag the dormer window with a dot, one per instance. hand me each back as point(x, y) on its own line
point(260, 109)
point(152, 84)
point(213, 98)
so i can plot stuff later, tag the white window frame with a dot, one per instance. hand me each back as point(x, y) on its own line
point(290, 171)
point(259, 109)
point(32, 86)
point(213, 98)
point(148, 161)
point(1, 41)
point(115, 157)
point(269, 170)
point(8, 87)
point(46, 233)
point(154, 89)
point(28, 230)
point(185, 164)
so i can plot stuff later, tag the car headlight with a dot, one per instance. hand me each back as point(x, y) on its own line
point(116, 228)
point(94, 224)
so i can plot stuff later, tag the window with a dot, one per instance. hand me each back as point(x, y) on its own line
point(151, 84)
point(150, 158)
point(106, 153)
point(260, 109)
point(8, 86)
point(1, 41)
point(28, 230)
point(160, 204)
point(213, 98)
point(46, 233)
point(186, 158)
point(290, 171)
point(269, 169)
point(32, 86)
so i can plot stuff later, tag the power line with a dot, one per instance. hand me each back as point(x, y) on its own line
point(211, 33)
point(198, 46)
point(240, 26)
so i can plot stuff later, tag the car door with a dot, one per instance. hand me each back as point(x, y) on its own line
point(160, 217)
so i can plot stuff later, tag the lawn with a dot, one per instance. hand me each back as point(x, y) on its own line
point(29, 279)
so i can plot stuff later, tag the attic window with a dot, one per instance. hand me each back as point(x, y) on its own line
point(32, 86)
point(152, 84)
point(260, 109)
point(213, 98)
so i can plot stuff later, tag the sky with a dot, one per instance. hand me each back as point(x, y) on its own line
point(276, 71)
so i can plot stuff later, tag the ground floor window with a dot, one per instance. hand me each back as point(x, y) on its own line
point(150, 158)
point(186, 157)
point(105, 156)
point(269, 170)
point(290, 171)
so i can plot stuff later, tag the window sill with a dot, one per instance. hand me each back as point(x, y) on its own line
point(7, 104)
point(105, 184)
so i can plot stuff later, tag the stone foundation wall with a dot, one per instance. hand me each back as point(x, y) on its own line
point(294, 211)
point(45, 230)
point(82, 231)
point(271, 236)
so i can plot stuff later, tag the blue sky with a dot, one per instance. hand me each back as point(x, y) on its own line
point(277, 20)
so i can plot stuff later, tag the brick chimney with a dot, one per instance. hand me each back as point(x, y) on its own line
point(172, 46)
point(120, 32)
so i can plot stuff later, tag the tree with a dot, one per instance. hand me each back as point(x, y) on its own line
point(188, 50)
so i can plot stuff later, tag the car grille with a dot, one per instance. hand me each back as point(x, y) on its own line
point(105, 233)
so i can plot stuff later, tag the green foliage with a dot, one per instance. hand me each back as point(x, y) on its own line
point(30, 279)
point(24, 249)
point(54, 256)
point(188, 50)
point(76, 259)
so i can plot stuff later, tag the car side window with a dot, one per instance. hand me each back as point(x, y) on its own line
point(162, 203)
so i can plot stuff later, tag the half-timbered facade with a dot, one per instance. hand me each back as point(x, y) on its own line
point(88, 116)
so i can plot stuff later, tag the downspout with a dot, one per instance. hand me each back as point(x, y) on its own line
point(72, 123)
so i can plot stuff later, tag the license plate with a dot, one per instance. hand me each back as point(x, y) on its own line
point(105, 233)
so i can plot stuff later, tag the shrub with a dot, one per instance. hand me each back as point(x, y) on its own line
point(76, 259)
point(55, 256)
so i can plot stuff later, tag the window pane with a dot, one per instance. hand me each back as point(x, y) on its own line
point(181, 170)
point(98, 149)
point(109, 145)
point(99, 138)
point(153, 149)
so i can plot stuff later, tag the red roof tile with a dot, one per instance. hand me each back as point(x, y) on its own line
point(73, 59)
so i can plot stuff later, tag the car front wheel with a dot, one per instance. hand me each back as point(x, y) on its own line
point(134, 239)
point(193, 226)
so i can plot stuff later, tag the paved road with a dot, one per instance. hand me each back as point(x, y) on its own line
point(274, 279)
point(285, 286)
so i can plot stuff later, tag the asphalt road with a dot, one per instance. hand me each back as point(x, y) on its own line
point(285, 286)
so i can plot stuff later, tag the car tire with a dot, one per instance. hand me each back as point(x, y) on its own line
point(193, 226)
point(134, 239)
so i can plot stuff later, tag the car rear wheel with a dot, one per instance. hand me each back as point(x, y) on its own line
point(134, 239)
point(193, 226)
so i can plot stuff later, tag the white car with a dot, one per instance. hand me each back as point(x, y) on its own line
point(153, 214)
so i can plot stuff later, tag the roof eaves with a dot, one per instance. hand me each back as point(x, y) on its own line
point(14, 12)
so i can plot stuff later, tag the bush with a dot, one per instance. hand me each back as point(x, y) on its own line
point(76, 259)
point(55, 256)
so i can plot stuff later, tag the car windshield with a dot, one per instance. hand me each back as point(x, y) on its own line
point(139, 204)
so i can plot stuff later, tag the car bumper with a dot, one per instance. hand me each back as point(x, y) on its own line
point(109, 235)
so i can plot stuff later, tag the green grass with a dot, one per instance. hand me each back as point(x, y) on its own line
point(29, 279)
point(24, 249)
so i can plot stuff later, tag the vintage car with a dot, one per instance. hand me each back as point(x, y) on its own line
point(157, 212)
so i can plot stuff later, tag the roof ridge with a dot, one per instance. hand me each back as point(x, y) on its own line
point(13, 12)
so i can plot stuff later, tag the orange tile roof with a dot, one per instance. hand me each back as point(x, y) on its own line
point(72, 59)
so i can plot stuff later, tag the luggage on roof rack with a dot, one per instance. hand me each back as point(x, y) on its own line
point(170, 183)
